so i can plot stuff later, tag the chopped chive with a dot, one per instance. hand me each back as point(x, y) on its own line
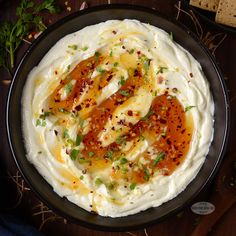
point(70, 141)
point(97, 55)
point(122, 81)
point(81, 123)
point(146, 64)
point(116, 64)
point(111, 53)
point(146, 174)
point(81, 177)
point(132, 186)
point(131, 51)
point(110, 185)
point(109, 155)
point(98, 181)
point(62, 110)
point(100, 70)
point(123, 161)
point(91, 154)
point(142, 138)
point(82, 160)
point(160, 156)
point(121, 140)
point(85, 48)
point(150, 112)
point(74, 47)
point(45, 114)
point(161, 69)
point(124, 93)
point(188, 108)
point(79, 139)
point(65, 134)
point(68, 88)
point(74, 153)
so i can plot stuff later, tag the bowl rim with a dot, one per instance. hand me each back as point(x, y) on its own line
point(224, 91)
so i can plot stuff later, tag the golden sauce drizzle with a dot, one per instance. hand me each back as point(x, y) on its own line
point(165, 127)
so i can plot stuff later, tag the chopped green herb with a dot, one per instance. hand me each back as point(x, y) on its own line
point(132, 186)
point(142, 138)
point(85, 48)
point(124, 93)
point(188, 108)
point(81, 177)
point(146, 174)
point(109, 155)
point(73, 154)
point(121, 140)
point(97, 55)
point(79, 139)
point(111, 185)
point(150, 112)
point(81, 123)
point(160, 156)
point(68, 67)
point(98, 181)
point(40, 122)
point(100, 70)
point(45, 114)
point(111, 53)
point(70, 141)
point(91, 154)
point(74, 47)
point(146, 64)
point(82, 160)
point(123, 161)
point(161, 69)
point(124, 170)
point(122, 81)
point(171, 36)
point(116, 64)
point(65, 134)
point(68, 88)
point(131, 51)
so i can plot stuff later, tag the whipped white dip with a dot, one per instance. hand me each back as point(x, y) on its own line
point(52, 141)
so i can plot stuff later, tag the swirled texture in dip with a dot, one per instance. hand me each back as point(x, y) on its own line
point(117, 117)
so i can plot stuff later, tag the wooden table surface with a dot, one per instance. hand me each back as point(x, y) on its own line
point(17, 198)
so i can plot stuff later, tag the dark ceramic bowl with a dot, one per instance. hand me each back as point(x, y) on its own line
point(76, 22)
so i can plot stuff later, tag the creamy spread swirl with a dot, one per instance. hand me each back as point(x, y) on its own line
point(117, 117)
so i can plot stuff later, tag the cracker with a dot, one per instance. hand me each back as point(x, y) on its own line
point(226, 12)
point(210, 5)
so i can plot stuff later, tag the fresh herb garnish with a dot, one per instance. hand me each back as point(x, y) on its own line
point(150, 112)
point(161, 69)
point(116, 64)
point(65, 134)
point(97, 55)
point(74, 46)
point(74, 154)
point(131, 51)
point(146, 176)
point(82, 160)
point(100, 70)
point(124, 93)
point(81, 177)
point(121, 140)
point(188, 108)
point(62, 110)
point(13, 33)
point(91, 154)
point(160, 156)
point(98, 181)
point(132, 186)
point(109, 155)
point(40, 122)
point(45, 114)
point(122, 80)
point(68, 88)
point(146, 64)
point(111, 53)
point(79, 139)
point(85, 48)
point(123, 161)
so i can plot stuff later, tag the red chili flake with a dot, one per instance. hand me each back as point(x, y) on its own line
point(138, 52)
point(78, 108)
point(130, 113)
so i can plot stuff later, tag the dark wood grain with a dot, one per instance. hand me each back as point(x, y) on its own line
point(182, 224)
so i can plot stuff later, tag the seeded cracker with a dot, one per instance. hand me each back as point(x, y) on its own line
point(210, 5)
point(226, 12)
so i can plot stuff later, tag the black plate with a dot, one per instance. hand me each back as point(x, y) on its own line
point(33, 56)
point(209, 17)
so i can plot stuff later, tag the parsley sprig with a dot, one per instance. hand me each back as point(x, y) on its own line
point(12, 33)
